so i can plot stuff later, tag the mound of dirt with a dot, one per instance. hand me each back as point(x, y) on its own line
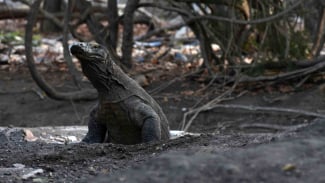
point(299, 159)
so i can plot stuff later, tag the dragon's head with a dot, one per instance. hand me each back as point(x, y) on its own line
point(89, 52)
point(94, 59)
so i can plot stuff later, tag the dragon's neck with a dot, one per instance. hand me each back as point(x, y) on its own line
point(114, 86)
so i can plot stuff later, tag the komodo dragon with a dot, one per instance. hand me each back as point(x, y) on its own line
point(125, 113)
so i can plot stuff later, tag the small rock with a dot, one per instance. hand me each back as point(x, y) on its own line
point(19, 49)
point(7, 173)
point(92, 171)
point(40, 180)
point(183, 33)
point(4, 59)
point(18, 165)
point(288, 167)
point(72, 138)
point(180, 57)
point(32, 173)
point(29, 136)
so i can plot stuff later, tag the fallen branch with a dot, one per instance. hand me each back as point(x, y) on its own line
point(11, 13)
point(214, 104)
point(207, 107)
point(290, 128)
point(264, 109)
point(288, 75)
point(196, 111)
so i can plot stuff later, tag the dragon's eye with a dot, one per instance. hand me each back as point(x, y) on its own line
point(96, 46)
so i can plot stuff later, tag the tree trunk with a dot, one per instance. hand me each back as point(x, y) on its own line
point(51, 6)
point(113, 22)
point(50, 91)
point(319, 40)
point(128, 32)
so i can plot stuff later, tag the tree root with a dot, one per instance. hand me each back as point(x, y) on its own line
point(89, 94)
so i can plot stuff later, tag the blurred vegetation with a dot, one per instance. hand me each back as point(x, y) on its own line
point(17, 38)
point(266, 31)
point(255, 37)
point(12, 38)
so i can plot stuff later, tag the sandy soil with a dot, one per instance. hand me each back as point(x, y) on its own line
point(233, 145)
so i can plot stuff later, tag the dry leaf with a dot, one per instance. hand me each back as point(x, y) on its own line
point(187, 92)
point(285, 88)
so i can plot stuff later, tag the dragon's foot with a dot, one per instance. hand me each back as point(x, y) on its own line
point(92, 138)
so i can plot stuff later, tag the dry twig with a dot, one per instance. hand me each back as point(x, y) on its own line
point(196, 111)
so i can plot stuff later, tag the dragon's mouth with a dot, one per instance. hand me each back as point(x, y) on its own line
point(80, 53)
point(76, 50)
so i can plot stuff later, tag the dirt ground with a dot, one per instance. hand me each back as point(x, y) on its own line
point(230, 145)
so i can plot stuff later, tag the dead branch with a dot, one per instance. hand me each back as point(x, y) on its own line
point(159, 31)
point(309, 63)
point(166, 85)
point(32, 90)
point(67, 57)
point(224, 19)
point(76, 111)
point(290, 128)
point(212, 105)
point(264, 109)
point(16, 13)
point(245, 22)
point(46, 14)
point(160, 88)
point(318, 45)
point(94, 26)
point(287, 75)
point(8, 12)
point(195, 112)
point(90, 94)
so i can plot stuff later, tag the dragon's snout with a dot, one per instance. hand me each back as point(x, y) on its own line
point(77, 47)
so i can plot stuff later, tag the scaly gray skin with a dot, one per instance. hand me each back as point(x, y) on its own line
point(126, 113)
